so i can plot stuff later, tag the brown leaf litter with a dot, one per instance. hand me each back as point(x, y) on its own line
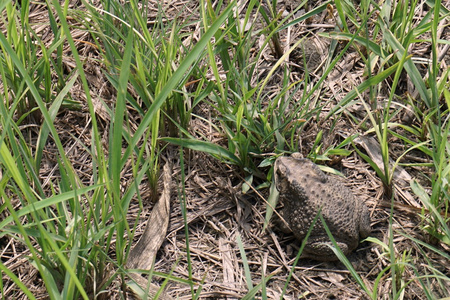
point(218, 213)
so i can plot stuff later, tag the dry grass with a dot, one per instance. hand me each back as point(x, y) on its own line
point(218, 211)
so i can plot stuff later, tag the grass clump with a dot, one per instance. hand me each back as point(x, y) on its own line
point(163, 72)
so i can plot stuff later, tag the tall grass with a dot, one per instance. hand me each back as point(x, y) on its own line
point(76, 225)
point(76, 232)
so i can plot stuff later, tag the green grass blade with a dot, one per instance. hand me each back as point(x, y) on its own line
point(53, 111)
point(116, 147)
point(307, 15)
point(374, 80)
point(17, 281)
point(175, 79)
point(409, 66)
point(344, 259)
point(204, 146)
point(48, 202)
point(248, 275)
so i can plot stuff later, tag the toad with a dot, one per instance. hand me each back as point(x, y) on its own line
point(304, 190)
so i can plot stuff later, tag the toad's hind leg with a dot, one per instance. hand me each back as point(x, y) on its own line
point(322, 251)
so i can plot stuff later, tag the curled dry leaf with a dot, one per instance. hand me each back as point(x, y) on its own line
point(143, 254)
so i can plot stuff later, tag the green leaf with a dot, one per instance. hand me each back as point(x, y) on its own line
point(409, 66)
point(53, 111)
point(309, 14)
point(48, 202)
point(206, 147)
point(372, 81)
